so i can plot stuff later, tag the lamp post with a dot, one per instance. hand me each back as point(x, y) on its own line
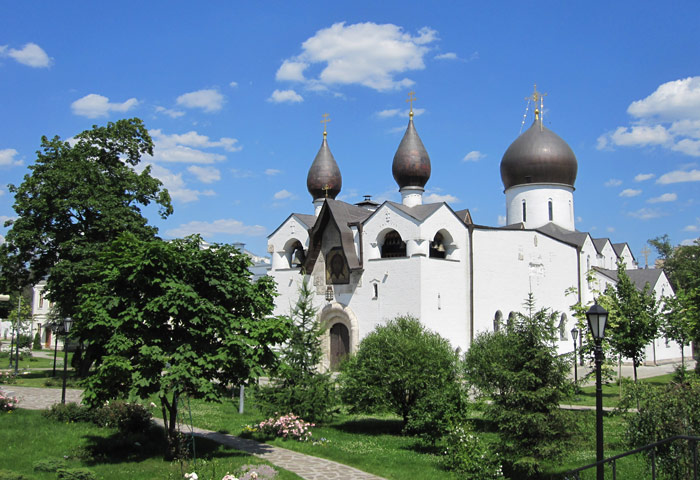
point(17, 323)
point(597, 318)
point(67, 323)
point(54, 330)
point(574, 335)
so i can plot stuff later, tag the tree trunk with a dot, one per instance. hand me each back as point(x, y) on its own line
point(634, 366)
point(169, 410)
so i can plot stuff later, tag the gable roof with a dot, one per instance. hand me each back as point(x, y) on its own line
point(600, 243)
point(620, 248)
point(307, 220)
point(639, 276)
point(465, 216)
point(419, 212)
point(567, 236)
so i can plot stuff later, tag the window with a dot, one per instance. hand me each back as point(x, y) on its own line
point(393, 245)
point(562, 328)
point(551, 211)
point(511, 320)
point(375, 290)
point(524, 211)
point(437, 246)
point(294, 252)
point(497, 321)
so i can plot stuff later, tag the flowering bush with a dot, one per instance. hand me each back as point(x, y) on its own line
point(7, 378)
point(246, 472)
point(470, 456)
point(287, 426)
point(7, 404)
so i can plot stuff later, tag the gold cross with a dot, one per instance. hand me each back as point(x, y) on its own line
point(646, 252)
point(411, 99)
point(324, 122)
point(536, 96)
point(326, 187)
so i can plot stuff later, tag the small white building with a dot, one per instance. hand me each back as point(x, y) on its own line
point(370, 263)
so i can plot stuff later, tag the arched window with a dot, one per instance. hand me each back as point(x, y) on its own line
point(497, 321)
point(393, 245)
point(563, 336)
point(550, 210)
point(296, 255)
point(437, 246)
point(524, 211)
point(511, 320)
point(340, 344)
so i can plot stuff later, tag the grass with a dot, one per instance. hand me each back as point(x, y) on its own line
point(35, 361)
point(44, 379)
point(611, 391)
point(28, 438)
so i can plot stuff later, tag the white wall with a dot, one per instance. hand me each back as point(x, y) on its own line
point(537, 196)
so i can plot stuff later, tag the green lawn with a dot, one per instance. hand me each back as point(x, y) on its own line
point(611, 391)
point(28, 438)
point(35, 362)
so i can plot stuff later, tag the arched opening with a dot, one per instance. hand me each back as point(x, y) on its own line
point(340, 344)
point(294, 253)
point(437, 246)
point(524, 211)
point(393, 245)
point(550, 210)
point(511, 320)
point(497, 321)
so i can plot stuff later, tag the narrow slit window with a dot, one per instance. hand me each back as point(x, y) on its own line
point(551, 211)
point(524, 211)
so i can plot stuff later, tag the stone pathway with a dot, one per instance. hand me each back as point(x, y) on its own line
point(306, 466)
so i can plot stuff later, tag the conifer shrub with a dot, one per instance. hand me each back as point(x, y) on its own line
point(37, 342)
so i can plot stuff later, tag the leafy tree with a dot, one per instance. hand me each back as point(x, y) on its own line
point(297, 386)
point(635, 316)
point(519, 370)
point(175, 320)
point(677, 321)
point(20, 317)
point(75, 200)
point(397, 366)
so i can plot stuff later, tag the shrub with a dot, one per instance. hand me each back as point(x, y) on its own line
point(519, 370)
point(438, 412)
point(7, 378)
point(37, 341)
point(49, 465)
point(25, 341)
point(259, 472)
point(8, 475)
point(395, 366)
point(69, 412)
point(7, 404)
point(287, 426)
point(471, 457)
point(75, 474)
point(126, 417)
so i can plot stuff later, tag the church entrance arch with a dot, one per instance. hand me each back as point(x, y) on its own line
point(341, 334)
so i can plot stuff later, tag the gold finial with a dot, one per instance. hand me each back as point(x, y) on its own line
point(325, 188)
point(324, 122)
point(646, 252)
point(536, 96)
point(411, 99)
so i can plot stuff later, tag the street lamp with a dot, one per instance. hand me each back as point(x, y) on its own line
point(597, 318)
point(329, 294)
point(54, 330)
point(67, 323)
point(574, 335)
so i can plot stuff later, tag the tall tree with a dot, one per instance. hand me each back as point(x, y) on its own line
point(175, 319)
point(677, 320)
point(78, 197)
point(635, 316)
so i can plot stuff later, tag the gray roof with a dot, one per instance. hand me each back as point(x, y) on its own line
point(465, 216)
point(600, 243)
point(324, 179)
point(307, 220)
point(620, 248)
point(411, 166)
point(568, 236)
point(639, 276)
point(419, 212)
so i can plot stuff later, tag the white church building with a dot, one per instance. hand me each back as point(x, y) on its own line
point(369, 263)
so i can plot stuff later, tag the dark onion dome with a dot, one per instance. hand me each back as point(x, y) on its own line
point(324, 180)
point(538, 156)
point(411, 167)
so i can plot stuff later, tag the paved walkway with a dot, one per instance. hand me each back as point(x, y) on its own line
point(306, 466)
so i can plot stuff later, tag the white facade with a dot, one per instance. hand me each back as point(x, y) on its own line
point(535, 205)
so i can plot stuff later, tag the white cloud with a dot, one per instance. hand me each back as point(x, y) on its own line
point(272, 171)
point(94, 105)
point(205, 174)
point(671, 100)
point(613, 182)
point(689, 242)
point(437, 198)
point(176, 185)
point(630, 192)
point(691, 228)
point(227, 226)
point(209, 100)
point(241, 173)
point(31, 55)
point(5, 218)
point(283, 194)
point(185, 148)
point(397, 112)
point(610, 229)
point(669, 117)
point(366, 54)
point(679, 176)
point(501, 220)
point(7, 157)
point(233, 84)
point(666, 197)
point(289, 96)
point(172, 113)
point(645, 214)
point(446, 56)
point(473, 156)
point(643, 176)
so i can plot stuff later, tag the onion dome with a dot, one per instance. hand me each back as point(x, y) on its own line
point(324, 180)
point(411, 167)
point(538, 156)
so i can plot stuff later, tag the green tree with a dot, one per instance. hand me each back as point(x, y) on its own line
point(396, 366)
point(297, 386)
point(176, 320)
point(634, 317)
point(75, 200)
point(677, 321)
point(519, 370)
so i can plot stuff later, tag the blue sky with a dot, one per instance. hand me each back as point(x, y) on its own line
point(233, 94)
